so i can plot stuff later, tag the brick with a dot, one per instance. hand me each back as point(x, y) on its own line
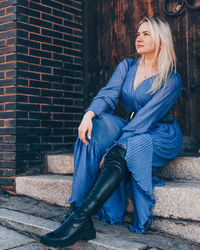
point(2, 59)
point(40, 84)
point(2, 75)
point(11, 73)
point(52, 78)
point(72, 24)
point(72, 66)
point(62, 29)
point(5, 115)
point(62, 101)
point(11, 57)
point(51, 33)
point(30, 91)
point(7, 50)
point(10, 106)
point(40, 7)
point(62, 57)
point(8, 98)
point(62, 14)
point(51, 93)
point(71, 80)
point(28, 107)
point(2, 124)
point(62, 43)
point(41, 23)
point(23, 82)
point(6, 66)
point(7, 26)
point(7, 172)
point(51, 48)
point(40, 131)
point(7, 18)
point(28, 27)
point(11, 139)
point(63, 117)
point(28, 43)
point(40, 38)
point(7, 164)
point(62, 131)
point(7, 82)
point(40, 68)
point(34, 99)
point(40, 116)
point(21, 49)
point(28, 139)
point(10, 123)
point(52, 4)
point(73, 95)
point(7, 131)
point(52, 124)
point(51, 139)
point(40, 53)
point(73, 52)
point(22, 18)
point(22, 33)
point(28, 12)
point(6, 181)
point(71, 124)
point(21, 147)
point(51, 18)
point(28, 123)
point(2, 12)
point(72, 10)
point(9, 33)
point(73, 38)
point(28, 59)
point(47, 108)
point(21, 114)
point(21, 98)
point(62, 86)
point(27, 74)
point(40, 147)
point(21, 65)
point(22, 131)
point(11, 9)
point(52, 63)
point(11, 90)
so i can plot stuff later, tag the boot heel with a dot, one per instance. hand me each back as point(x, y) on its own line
point(89, 235)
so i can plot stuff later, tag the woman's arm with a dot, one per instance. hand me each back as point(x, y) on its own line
point(108, 96)
point(156, 108)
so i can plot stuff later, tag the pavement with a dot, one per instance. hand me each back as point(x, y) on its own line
point(24, 219)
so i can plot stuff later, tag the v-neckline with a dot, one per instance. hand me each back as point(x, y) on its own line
point(134, 90)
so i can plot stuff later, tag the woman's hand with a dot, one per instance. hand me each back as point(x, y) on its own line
point(86, 126)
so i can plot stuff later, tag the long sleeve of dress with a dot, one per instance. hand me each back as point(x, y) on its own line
point(162, 101)
point(108, 96)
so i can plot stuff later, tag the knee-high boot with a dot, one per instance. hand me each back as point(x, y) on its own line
point(78, 225)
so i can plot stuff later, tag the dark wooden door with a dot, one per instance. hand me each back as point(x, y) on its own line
point(110, 32)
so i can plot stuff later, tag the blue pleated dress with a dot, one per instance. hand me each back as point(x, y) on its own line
point(150, 144)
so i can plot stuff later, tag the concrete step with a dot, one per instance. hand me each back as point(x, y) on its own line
point(187, 168)
point(176, 200)
point(55, 189)
point(109, 237)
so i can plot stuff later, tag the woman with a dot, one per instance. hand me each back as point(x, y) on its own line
point(148, 87)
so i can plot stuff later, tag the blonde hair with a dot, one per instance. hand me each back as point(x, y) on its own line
point(164, 50)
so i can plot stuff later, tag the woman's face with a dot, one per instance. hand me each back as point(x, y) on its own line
point(144, 42)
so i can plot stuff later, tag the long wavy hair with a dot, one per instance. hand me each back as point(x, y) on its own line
point(164, 51)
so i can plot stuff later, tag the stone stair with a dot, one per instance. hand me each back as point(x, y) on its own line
point(177, 208)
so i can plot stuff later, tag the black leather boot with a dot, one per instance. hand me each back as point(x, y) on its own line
point(79, 225)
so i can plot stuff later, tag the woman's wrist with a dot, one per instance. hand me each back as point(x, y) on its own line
point(90, 114)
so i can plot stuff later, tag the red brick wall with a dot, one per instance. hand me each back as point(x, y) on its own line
point(41, 81)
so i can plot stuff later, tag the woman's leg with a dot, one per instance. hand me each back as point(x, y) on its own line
point(106, 129)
